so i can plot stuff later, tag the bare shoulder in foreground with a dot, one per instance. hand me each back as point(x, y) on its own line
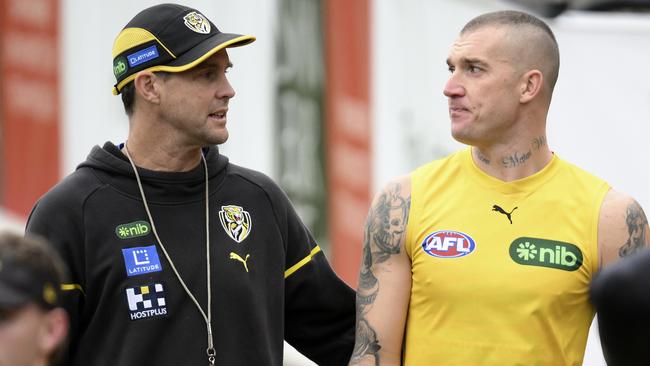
point(622, 228)
point(620, 291)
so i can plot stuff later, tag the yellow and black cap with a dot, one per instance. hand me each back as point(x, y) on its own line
point(23, 282)
point(167, 37)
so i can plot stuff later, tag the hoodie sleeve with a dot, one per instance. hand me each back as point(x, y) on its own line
point(319, 306)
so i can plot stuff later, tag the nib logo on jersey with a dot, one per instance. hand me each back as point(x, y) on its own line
point(546, 253)
point(146, 301)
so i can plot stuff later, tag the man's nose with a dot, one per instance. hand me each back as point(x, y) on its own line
point(453, 88)
point(225, 89)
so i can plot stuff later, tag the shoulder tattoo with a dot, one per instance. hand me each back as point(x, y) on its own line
point(637, 228)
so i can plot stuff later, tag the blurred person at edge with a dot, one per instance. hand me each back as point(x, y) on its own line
point(621, 295)
point(177, 256)
point(485, 257)
point(33, 325)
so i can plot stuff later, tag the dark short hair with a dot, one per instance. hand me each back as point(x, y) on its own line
point(508, 17)
point(515, 19)
point(128, 98)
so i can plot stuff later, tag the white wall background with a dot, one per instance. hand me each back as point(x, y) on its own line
point(600, 113)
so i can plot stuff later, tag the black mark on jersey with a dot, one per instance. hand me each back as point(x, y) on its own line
point(500, 210)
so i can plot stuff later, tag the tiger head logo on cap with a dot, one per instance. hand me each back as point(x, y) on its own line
point(197, 22)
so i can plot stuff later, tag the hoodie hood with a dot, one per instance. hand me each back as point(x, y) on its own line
point(113, 168)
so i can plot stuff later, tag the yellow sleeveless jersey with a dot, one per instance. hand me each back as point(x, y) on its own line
point(500, 270)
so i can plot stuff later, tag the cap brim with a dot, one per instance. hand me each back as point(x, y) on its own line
point(196, 55)
point(207, 48)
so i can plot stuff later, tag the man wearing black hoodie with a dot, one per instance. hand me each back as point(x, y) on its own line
point(178, 257)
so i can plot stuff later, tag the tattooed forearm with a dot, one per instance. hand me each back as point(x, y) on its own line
point(385, 230)
point(637, 228)
point(366, 343)
point(516, 159)
point(367, 283)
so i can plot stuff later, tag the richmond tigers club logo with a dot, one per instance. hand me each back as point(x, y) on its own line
point(197, 22)
point(236, 222)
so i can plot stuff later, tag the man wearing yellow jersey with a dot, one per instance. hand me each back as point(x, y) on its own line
point(485, 257)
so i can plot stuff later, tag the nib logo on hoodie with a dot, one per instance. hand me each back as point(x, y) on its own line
point(132, 230)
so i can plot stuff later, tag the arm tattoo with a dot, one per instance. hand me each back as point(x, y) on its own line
point(385, 228)
point(387, 223)
point(637, 228)
point(366, 344)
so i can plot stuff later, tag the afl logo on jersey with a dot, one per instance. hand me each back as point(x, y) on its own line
point(448, 244)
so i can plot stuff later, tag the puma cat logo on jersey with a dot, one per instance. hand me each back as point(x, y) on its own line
point(237, 257)
point(500, 210)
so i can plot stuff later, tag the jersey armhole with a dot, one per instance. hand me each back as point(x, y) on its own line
point(595, 248)
point(412, 215)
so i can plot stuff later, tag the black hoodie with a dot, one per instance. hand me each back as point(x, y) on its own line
point(270, 281)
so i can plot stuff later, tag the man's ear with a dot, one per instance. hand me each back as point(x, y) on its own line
point(530, 85)
point(147, 86)
point(54, 330)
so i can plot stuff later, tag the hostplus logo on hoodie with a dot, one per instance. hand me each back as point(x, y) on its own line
point(146, 301)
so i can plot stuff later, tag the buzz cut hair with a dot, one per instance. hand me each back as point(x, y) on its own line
point(509, 18)
point(520, 20)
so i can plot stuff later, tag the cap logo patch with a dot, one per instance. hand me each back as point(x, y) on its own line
point(197, 22)
point(236, 222)
point(143, 56)
point(119, 67)
point(49, 293)
point(146, 301)
point(141, 260)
